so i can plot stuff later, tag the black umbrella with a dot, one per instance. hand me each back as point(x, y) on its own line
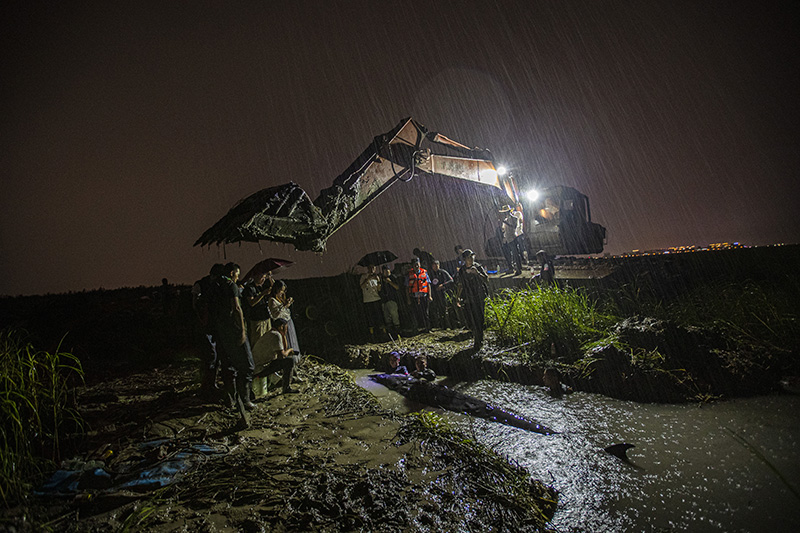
point(377, 258)
point(266, 266)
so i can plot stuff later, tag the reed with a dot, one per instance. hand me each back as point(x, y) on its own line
point(37, 408)
point(560, 320)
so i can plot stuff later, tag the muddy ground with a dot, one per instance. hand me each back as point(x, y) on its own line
point(326, 459)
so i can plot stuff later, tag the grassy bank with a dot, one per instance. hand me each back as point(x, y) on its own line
point(38, 410)
point(715, 339)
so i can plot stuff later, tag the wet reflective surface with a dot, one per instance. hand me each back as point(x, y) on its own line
point(729, 466)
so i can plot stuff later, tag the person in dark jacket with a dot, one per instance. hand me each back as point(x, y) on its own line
point(231, 332)
point(441, 283)
point(472, 292)
point(201, 302)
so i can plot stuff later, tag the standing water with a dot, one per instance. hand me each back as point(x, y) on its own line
point(728, 466)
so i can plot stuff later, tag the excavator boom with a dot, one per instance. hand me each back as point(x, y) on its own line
point(286, 214)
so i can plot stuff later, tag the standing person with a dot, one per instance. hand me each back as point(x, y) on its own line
point(458, 262)
point(419, 294)
point(472, 287)
point(441, 282)
point(279, 307)
point(201, 304)
point(426, 259)
point(255, 294)
point(232, 336)
point(546, 275)
point(390, 298)
point(512, 229)
point(370, 294)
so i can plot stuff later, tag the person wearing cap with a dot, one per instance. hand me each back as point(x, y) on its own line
point(512, 237)
point(274, 354)
point(473, 290)
point(418, 295)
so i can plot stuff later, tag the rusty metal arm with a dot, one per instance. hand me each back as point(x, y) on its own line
point(286, 214)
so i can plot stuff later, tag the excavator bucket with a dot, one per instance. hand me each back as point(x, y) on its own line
point(282, 214)
point(286, 214)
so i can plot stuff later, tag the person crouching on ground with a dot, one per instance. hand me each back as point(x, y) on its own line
point(422, 372)
point(394, 364)
point(283, 357)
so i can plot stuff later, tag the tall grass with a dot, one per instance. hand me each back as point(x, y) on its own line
point(37, 407)
point(549, 319)
point(745, 312)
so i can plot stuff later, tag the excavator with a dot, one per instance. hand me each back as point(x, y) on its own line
point(559, 221)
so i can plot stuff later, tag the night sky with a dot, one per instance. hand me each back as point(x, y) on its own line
point(129, 128)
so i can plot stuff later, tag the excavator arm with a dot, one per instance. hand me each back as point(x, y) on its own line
point(286, 213)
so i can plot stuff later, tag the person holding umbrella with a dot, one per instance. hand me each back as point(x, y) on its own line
point(255, 295)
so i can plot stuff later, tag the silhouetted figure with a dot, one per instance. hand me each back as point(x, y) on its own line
point(390, 301)
point(441, 283)
point(472, 288)
point(233, 345)
point(201, 304)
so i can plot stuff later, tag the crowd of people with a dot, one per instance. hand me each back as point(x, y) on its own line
point(248, 334)
point(429, 294)
point(247, 325)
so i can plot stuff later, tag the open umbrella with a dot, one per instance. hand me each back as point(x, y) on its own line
point(377, 258)
point(266, 266)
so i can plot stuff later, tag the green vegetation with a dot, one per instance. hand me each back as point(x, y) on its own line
point(724, 337)
point(560, 319)
point(38, 409)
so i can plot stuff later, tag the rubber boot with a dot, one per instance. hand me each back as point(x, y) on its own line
point(245, 390)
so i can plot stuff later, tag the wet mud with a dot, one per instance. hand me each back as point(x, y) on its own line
point(326, 459)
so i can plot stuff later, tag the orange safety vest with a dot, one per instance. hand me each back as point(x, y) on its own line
point(418, 282)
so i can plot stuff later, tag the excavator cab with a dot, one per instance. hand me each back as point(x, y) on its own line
point(560, 223)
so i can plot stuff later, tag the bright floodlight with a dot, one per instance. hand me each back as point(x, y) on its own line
point(502, 170)
point(532, 195)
